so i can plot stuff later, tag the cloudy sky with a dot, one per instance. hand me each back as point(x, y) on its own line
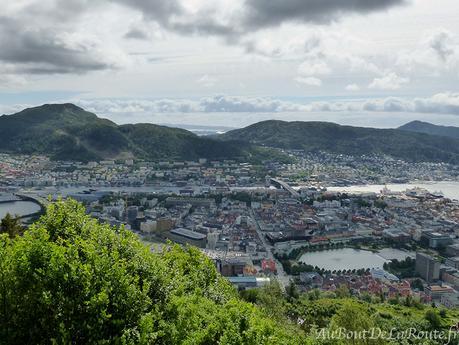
point(234, 62)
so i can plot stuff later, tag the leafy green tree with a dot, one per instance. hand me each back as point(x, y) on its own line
point(11, 225)
point(354, 317)
point(417, 284)
point(69, 279)
point(442, 313)
point(366, 297)
point(433, 318)
point(272, 299)
point(250, 295)
point(292, 291)
point(343, 291)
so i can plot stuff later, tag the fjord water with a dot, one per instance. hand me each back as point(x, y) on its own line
point(450, 189)
point(19, 208)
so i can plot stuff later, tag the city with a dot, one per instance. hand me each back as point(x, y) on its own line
point(231, 172)
point(257, 228)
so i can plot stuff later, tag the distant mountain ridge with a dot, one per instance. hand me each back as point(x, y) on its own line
point(68, 132)
point(428, 128)
point(330, 137)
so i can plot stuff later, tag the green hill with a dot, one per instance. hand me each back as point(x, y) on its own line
point(330, 137)
point(428, 128)
point(68, 132)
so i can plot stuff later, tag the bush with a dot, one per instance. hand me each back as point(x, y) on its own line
point(70, 279)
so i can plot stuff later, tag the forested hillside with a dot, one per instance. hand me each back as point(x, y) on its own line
point(356, 141)
point(68, 132)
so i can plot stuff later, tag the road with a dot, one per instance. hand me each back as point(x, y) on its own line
point(285, 186)
point(282, 277)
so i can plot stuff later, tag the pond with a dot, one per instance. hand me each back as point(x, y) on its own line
point(343, 259)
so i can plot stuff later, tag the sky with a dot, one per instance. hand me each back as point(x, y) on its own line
point(378, 63)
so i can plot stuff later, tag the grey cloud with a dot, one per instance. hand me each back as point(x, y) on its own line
point(171, 15)
point(442, 103)
point(158, 10)
point(206, 26)
point(442, 44)
point(45, 50)
point(32, 40)
point(262, 13)
point(155, 8)
point(136, 34)
point(254, 14)
point(55, 11)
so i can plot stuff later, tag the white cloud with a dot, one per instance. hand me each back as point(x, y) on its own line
point(215, 104)
point(443, 43)
point(190, 48)
point(311, 81)
point(442, 103)
point(436, 54)
point(353, 87)
point(207, 81)
point(313, 68)
point(11, 80)
point(390, 81)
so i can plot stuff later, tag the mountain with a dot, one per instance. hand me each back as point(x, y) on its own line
point(68, 132)
point(330, 137)
point(428, 128)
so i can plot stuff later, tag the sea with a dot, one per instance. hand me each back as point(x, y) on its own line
point(450, 189)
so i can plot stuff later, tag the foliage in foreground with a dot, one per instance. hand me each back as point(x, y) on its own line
point(70, 279)
point(398, 321)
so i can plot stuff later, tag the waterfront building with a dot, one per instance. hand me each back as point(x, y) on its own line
point(427, 267)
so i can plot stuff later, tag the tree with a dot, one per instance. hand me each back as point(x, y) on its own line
point(417, 284)
point(408, 301)
point(443, 313)
point(354, 317)
point(292, 290)
point(11, 225)
point(343, 291)
point(366, 297)
point(69, 279)
point(433, 318)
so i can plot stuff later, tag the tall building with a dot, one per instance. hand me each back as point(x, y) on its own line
point(212, 239)
point(435, 239)
point(131, 214)
point(427, 267)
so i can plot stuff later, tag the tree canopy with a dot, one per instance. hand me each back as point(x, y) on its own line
point(10, 225)
point(69, 279)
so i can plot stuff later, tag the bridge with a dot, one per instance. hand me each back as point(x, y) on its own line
point(43, 202)
point(281, 184)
